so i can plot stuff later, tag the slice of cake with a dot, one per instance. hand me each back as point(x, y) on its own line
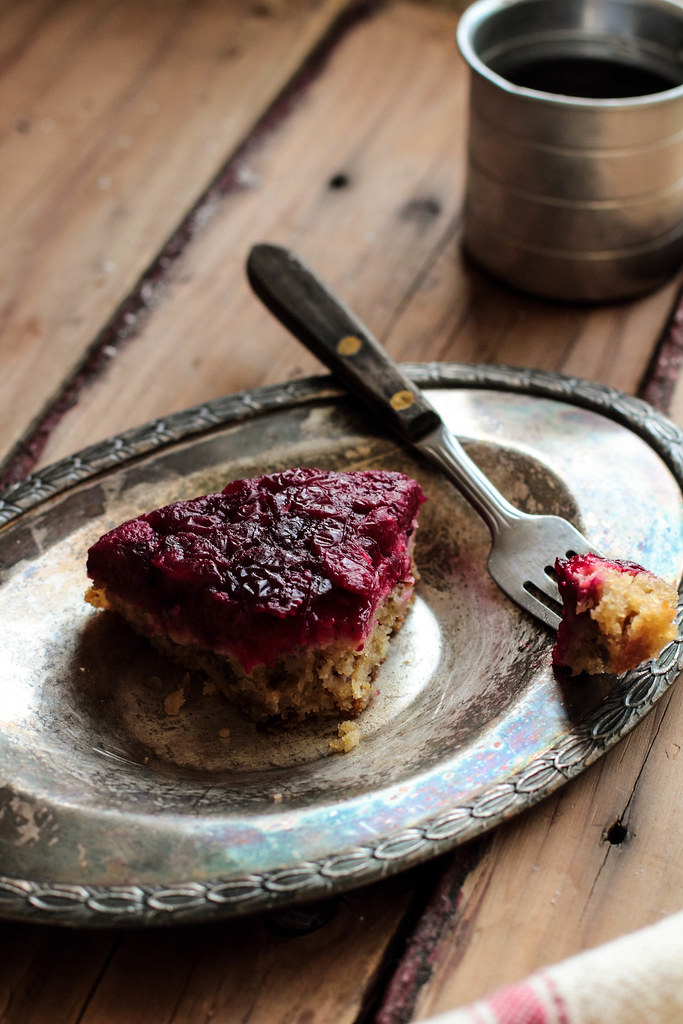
point(615, 614)
point(284, 589)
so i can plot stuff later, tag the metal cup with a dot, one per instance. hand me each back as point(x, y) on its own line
point(575, 158)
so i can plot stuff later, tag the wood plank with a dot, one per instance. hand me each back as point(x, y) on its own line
point(114, 118)
point(377, 149)
point(47, 974)
point(375, 205)
point(470, 318)
point(252, 970)
point(315, 963)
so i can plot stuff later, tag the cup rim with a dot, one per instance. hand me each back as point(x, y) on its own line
point(482, 10)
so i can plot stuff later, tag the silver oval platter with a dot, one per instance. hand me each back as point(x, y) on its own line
point(131, 796)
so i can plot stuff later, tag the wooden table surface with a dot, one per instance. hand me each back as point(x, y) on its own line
point(145, 145)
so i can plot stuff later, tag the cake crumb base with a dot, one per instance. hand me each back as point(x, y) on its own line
point(305, 682)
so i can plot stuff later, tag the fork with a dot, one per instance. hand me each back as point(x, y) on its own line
point(524, 547)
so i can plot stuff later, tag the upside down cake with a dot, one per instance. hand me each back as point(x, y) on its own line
point(284, 589)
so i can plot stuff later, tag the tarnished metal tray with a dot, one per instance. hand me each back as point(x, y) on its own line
point(114, 811)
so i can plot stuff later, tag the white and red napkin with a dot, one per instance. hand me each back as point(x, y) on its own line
point(636, 979)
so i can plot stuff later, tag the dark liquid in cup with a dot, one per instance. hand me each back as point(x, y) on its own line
point(588, 77)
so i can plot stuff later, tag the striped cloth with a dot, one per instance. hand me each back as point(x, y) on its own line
point(637, 979)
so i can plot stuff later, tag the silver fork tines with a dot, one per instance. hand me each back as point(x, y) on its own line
point(524, 547)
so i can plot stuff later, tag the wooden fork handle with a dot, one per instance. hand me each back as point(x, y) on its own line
point(308, 308)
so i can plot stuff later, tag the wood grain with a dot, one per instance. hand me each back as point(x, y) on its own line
point(378, 151)
point(47, 974)
point(375, 206)
point(315, 964)
point(115, 117)
point(133, 188)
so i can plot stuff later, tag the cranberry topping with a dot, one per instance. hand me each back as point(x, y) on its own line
point(301, 557)
point(580, 578)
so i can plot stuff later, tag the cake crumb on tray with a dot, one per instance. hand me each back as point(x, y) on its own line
point(348, 737)
point(174, 702)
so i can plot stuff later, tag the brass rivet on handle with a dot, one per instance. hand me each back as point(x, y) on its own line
point(401, 400)
point(349, 345)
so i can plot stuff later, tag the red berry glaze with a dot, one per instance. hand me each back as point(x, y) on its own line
point(301, 557)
